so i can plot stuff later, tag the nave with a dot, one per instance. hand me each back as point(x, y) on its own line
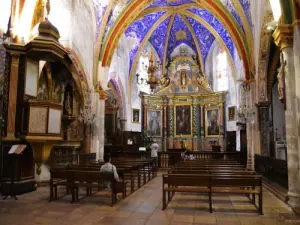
point(143, 207)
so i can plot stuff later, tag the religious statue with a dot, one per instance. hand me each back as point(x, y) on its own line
point(68, 107)
point(183, 77)
point(165, 81)
point(280, 77)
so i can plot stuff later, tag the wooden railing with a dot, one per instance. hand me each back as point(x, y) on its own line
point(273, 169)
point(169, 158)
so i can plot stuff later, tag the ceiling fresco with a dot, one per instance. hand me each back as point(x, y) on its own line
point(157, 3)
point(139, 29)
point(190, 24)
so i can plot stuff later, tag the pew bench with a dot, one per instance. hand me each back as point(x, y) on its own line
point(211, 184)
point(74, 179)
point(187, 183)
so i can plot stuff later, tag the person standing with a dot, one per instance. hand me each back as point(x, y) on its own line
point(154, 150)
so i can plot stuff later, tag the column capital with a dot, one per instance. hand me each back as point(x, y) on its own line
point(283, 36)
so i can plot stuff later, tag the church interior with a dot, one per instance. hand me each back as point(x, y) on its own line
point(149, 112)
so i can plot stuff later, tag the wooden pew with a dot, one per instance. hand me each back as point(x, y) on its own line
point(186, 183)
point(208, 167)
point(93, 179)
point(211, 171)
point(60, 177)
point(73, 179)
point(212, 183)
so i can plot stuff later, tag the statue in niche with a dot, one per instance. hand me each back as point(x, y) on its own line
point(42, 92)
point(183, 77)
point(280, 77)
point(58, 92)
point(68, 101)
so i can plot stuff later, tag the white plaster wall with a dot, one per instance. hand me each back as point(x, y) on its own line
point(4, 15)
point(75, 21)
point(120, 66)
point(61, 17)
point(83, 33)
point(135, 99)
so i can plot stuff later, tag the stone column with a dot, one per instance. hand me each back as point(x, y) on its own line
point(297, 70)
point(250, 125)
point(95, 127)
point(101, 128)
point(283, 37)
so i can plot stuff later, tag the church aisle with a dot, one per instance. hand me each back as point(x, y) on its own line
point(142, 207)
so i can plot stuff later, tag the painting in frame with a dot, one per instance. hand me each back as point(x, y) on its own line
point(32, 77)
point(154, 123)
point(212, 122)
point(38, 120)
point(231, 113)
point(54, 125)
point(135, 115)
point(183, 120)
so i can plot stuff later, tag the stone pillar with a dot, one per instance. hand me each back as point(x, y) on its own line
point(250, 125)
point(123, 129)
point(101, 128)
point(283, 37)
point(263, 115)
point(95, 127)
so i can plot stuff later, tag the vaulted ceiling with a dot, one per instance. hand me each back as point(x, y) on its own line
point(168, 23)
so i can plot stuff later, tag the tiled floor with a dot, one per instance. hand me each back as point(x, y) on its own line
point(142, 207)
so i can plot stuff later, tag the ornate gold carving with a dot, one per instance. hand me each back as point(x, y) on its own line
point(195, 40)
point(180, 35)
point(41, 152)
point(194, 114)
point(171, 121)
point(264, 50)
point(283, 36)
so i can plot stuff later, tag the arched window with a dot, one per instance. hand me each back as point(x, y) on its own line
point(221, 70)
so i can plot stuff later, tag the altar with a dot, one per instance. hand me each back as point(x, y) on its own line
point(186, 110)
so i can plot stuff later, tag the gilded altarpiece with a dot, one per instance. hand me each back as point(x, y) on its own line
point(186, 109)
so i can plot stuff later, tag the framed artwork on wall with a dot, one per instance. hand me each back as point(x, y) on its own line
point(38, 120)
point(154, 123)
point(231, 113)
point(212, 121)
point(135, 115)
point(54, 125)
point(32, 77)
point(183, 120)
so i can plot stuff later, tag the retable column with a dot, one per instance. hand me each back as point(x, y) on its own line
point(283, 37)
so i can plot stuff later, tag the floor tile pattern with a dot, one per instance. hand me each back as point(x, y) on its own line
point(143, 207)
